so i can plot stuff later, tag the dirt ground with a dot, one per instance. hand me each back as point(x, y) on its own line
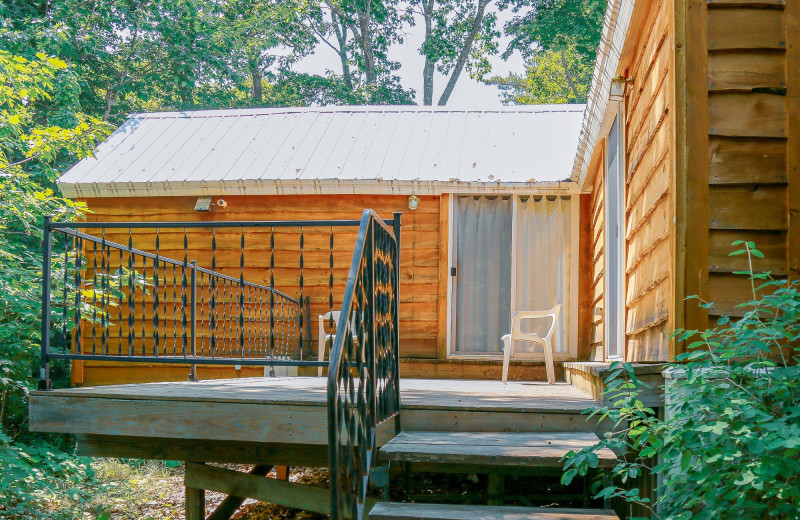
point(153, 491)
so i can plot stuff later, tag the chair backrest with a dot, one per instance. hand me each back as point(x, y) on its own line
point(552, 313)
point(325, 319)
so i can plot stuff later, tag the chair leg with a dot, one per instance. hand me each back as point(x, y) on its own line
point(321, 353)
point(506, 356)
point(548, 361)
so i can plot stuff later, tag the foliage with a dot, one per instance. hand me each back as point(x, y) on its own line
point(35, 138)
point(457, 35)
point(545, 80)
point(558, 40)
point(730, 445)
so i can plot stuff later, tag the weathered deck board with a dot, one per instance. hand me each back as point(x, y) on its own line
point(490, 448)
point(431, 394)
point(293, 410)
point(401, 511)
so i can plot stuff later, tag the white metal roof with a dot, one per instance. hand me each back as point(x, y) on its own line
point(374, 149)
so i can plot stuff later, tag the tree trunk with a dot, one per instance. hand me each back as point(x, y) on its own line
point(570, 79)
point(462, 57)
point(258, 94)
point(364, 39)
point(428, 70)
point(340, 28)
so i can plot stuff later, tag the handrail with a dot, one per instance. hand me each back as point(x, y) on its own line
point(107, 300)
point(363, 375)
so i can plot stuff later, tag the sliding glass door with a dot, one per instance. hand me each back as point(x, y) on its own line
point(510, 254)
point(482, 264)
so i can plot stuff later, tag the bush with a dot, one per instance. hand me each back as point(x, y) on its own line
point(730, 445)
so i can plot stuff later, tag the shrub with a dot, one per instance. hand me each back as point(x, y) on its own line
point(730, 444)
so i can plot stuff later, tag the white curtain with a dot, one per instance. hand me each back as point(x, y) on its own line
point(543, 264)
point(483, 260)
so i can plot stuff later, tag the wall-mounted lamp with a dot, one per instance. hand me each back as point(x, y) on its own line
point(205, 203)
point(413, 202)
point(617, 92)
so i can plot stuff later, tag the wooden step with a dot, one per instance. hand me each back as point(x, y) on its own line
point(401, 511)
point(491, 448)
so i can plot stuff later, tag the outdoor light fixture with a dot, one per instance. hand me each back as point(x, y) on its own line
point(617, 92)
point(205, 203)
point(413, 202)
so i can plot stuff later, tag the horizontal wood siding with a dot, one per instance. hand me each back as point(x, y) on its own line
point(648, 166)
point(419, 274)
point(596, 269)
point(749, 180)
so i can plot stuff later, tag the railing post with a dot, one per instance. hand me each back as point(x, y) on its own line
point(307, 306)
point(395, 318)
point(47, 249)
point(193, 321)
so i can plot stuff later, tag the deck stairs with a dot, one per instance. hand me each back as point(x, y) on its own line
point(493, 453)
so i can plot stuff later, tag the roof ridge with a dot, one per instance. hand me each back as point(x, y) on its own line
point(236, 112)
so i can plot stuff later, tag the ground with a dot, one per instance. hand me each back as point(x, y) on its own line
point(153, 490)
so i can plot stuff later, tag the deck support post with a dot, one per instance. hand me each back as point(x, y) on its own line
point(195, 502)
point(496, 489)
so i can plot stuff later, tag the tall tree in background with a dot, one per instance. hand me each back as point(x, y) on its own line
point(558, 40)
point(361, 32)
point(263, 37)
point(458, 34)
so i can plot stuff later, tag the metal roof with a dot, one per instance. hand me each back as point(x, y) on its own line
point(374, 149)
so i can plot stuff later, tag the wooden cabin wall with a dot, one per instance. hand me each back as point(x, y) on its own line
point(597, 234)
point(753, 52)
point(419, 260)
point(648, 192)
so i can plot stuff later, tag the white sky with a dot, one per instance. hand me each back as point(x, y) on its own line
point(468, 93)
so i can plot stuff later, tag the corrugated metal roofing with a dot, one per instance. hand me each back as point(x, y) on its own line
point(376, 149)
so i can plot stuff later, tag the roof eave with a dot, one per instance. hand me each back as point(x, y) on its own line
point(307, 187)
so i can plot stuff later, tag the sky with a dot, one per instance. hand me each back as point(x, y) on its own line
point(468, 93)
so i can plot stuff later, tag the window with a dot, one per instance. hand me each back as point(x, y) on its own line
point(614, 243)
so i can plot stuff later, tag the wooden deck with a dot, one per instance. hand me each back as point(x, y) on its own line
point(253, 419)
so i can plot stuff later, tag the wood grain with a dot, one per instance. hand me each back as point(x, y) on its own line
point(747, 161)
point(793, 131)
point(745, 29)
point(491, 449)
point(746, 114)
point(744, 72)
point(403, 511)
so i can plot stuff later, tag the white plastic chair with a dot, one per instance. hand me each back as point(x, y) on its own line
point(324, 336)
point(545, 341)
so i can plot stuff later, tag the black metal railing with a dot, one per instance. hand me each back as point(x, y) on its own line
point(195, 293)
point(363, 377)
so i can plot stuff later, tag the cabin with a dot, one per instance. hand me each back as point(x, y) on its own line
point(331, 287)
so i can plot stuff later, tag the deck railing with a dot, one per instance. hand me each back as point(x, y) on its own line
point(194, 293)
point(363, 379)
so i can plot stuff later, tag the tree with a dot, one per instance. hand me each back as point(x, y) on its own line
point(361, 32)
point(558, 40)
point(259, 35)
point(41, 131)
point(551, 77)
point(457, 34)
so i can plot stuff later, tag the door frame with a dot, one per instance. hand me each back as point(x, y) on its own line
point(452, 235)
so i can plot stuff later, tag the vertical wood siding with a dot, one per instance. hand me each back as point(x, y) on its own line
point(749, 180)
point(420, 256)
point(648, 212)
